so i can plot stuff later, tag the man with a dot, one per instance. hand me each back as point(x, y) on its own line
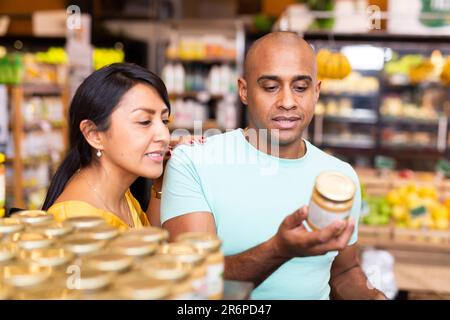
point(243, 186)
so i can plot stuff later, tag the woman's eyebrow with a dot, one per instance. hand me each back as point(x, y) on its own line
point(149, 110)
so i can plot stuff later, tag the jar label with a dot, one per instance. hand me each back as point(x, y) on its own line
point(201, 287)
point(215, 279)
point(186, 296)
point(320, 218)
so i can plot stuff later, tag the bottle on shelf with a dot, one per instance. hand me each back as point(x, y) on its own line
point(2, 184)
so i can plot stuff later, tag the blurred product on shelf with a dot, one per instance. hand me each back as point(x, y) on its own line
point(445, 74)
point(207, 47)
point(227, 113)
point(2, 185)
point(217, 80)
point(186, 112)
point(394, 106)
point(48, 67)
point(11, 69)
point(416, 68)
point(354, 83)
point(333, 65)
point(392, 137)
point(43, 110)
point(105, 56)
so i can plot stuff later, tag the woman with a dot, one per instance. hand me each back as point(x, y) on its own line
point(118, 132)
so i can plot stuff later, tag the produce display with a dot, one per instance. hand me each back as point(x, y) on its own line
point(333, 65)
point(412, 205)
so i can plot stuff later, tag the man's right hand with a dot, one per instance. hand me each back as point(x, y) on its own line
point(294, 240)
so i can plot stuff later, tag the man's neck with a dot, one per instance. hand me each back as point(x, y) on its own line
point(294, 150)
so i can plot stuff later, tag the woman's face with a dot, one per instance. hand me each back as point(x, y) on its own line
point(138, 138)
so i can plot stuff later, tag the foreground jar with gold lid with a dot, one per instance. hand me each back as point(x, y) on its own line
point(108, 261)
point(54, 257)
point(54, 288)
point(85, 222)
point(34, 216)
point(10, 225)
point(215, 260)
point(8, 251)
point(23, 274)
point(81, 244)
point(53, 229)
point(168, 268)
point(102, 232)
point(194, 259)
point(30, 240)
point(133, 247)
point(331, 200)
point(136, 286)
point(148, 234)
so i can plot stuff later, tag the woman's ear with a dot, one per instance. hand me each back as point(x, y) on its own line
point(91, 134)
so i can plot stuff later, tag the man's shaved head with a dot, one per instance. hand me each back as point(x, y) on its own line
point(280, 86)
point(277, 41)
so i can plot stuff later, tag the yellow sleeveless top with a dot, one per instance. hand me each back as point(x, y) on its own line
point(74, 208)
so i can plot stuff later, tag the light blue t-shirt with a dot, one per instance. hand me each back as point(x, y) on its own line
point(249, 193)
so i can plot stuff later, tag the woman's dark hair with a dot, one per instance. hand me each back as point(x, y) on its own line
point(95, 100)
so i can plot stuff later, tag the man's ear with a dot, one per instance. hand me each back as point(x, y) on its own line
point(242, 86)
point(91, 134)
point(318, 86)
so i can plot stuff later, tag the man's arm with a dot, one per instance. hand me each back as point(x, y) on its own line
point(348, 281)
point(291, 240)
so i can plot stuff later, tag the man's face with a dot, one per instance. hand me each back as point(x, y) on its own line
point(281, 90)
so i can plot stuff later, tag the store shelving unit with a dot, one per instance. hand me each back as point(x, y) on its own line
point(229, 28)
point(375, 123)
point(18, 95)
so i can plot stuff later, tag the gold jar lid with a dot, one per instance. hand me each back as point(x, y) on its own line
point(53, 229)
point(109, 261)
point(138, 287)
point(24, 274)
point(163, 267)
point(335, 186)
point(81, 244)
point(90, 279)
point(49, 290)
point(48, 257)
point(85, 222)
point(34, 216)
point(133, 247)
point(5, 291)
point(7, 251)
point(103, 232)
point(203, 241)
point(183, 252)
point(10, 225)
point(30, 240)
point(147, 234)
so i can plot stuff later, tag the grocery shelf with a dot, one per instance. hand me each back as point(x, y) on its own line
point(203, 61)
point(42, 89)
point(351, 119)
point(196, 95)
point(351, 145)
point(208, 124)
point(349, 95)
point(408, 120)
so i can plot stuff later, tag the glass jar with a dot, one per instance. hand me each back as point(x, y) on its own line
point(331, 200)
point(215, 260)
